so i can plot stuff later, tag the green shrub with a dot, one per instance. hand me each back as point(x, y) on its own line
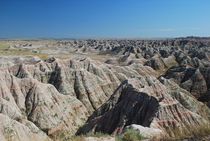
point(130, 135)
point(82, 137)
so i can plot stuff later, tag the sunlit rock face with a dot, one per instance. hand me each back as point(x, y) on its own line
point(105, 86)
point(59, 95)
point(146, 101)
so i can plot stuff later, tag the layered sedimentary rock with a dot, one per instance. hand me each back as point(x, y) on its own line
point(154, 84)
point(13, 130)
point(41, 104)
point(58, 96)
point(146, 101)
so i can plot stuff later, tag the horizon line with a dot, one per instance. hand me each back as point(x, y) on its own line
point(101, 38)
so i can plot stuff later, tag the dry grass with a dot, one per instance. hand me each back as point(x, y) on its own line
point(77, 138)
point(66, 136)
point(188, 132)
point(196, 132)
point(5, 50)
point(20, 52)
point(3, 46)
point(132, 135)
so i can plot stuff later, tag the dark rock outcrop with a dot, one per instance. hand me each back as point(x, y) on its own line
point(147, 102)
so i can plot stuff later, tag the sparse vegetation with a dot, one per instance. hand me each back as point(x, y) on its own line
point(21, 52)
point(97, 134)
point(130, 135)
point(3, 47)
point(189, 132)
point(77, 138)
point(61, 136)
point(66, 136)
point(9, 133)
point(82, 137)
point(7, 51)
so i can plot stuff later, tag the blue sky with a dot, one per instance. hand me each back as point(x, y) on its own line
point(104, 18)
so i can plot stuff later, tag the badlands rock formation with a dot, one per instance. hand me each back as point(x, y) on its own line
point(148, 102)
point(105, 86)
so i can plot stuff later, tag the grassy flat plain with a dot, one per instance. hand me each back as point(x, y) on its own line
point(45, 52)
point(5, 50)
point(3, 46)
